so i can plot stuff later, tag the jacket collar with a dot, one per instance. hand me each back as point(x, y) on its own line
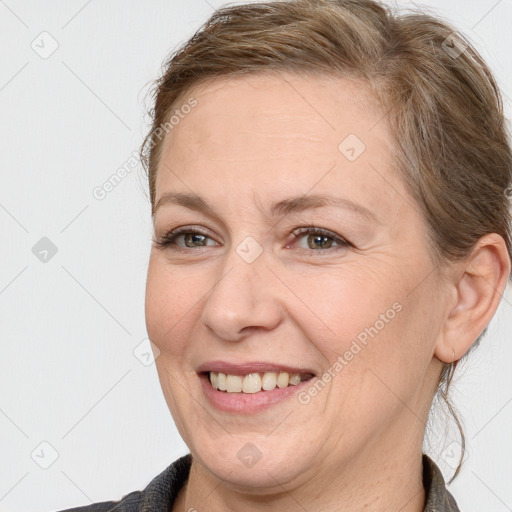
point(437, 497)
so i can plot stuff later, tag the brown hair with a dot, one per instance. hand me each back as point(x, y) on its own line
point(443, 105)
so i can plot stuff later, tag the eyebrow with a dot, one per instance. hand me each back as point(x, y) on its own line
point(284, 207)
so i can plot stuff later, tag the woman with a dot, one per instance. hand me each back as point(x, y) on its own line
point(328, 185)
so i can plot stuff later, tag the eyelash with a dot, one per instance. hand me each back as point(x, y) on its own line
point(169, 239)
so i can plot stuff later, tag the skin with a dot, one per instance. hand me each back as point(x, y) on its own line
point(357, 444)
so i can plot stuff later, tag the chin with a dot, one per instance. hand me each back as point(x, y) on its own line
point(252, 464)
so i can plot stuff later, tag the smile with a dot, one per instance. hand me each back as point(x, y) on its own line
point(245, 387)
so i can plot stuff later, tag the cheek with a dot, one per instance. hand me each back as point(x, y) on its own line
point(371, 330)
point(172, 295)
point(345, 305)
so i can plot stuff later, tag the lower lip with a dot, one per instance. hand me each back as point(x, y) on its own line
point(246, 403)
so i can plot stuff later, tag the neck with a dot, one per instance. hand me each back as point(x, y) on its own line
point(375, 482)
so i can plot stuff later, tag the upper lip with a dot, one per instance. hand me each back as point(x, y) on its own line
point(250, 367)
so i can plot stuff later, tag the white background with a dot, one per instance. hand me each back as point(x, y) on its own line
point(68, 327)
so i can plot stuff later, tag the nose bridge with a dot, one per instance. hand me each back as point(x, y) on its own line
point(241, 296)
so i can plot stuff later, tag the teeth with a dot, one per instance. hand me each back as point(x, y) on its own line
point(294, 379)
point(269, 381)
point(221, 381)
point(233, 383)
point(253, 382)
point(282, 380)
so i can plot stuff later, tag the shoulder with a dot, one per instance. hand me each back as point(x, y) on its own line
point(159, 495)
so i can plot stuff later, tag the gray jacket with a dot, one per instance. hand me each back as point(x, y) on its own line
point(160, 493)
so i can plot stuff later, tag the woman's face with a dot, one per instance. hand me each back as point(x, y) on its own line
point(301, 250)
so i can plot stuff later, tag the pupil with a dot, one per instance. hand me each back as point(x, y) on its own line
point(320, 241)
point(192, 239)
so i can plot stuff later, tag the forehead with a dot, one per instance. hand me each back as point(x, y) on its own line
point(320, 108)
point(267, 132)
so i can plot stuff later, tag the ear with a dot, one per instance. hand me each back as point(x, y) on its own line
point(479, 283)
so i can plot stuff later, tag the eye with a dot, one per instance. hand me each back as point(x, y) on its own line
point(310, 238)
point(184, 238)
point(318, 239)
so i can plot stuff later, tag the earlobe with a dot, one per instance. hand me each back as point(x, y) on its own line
point(483, 277)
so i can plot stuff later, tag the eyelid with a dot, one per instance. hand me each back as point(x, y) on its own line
point(316, 229)
point(166, 240)
point(340, 240)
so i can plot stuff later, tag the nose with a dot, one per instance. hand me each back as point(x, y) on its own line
point(243, 300)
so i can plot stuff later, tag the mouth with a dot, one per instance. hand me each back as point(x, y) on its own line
point(255, 382)
point(252, 387)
